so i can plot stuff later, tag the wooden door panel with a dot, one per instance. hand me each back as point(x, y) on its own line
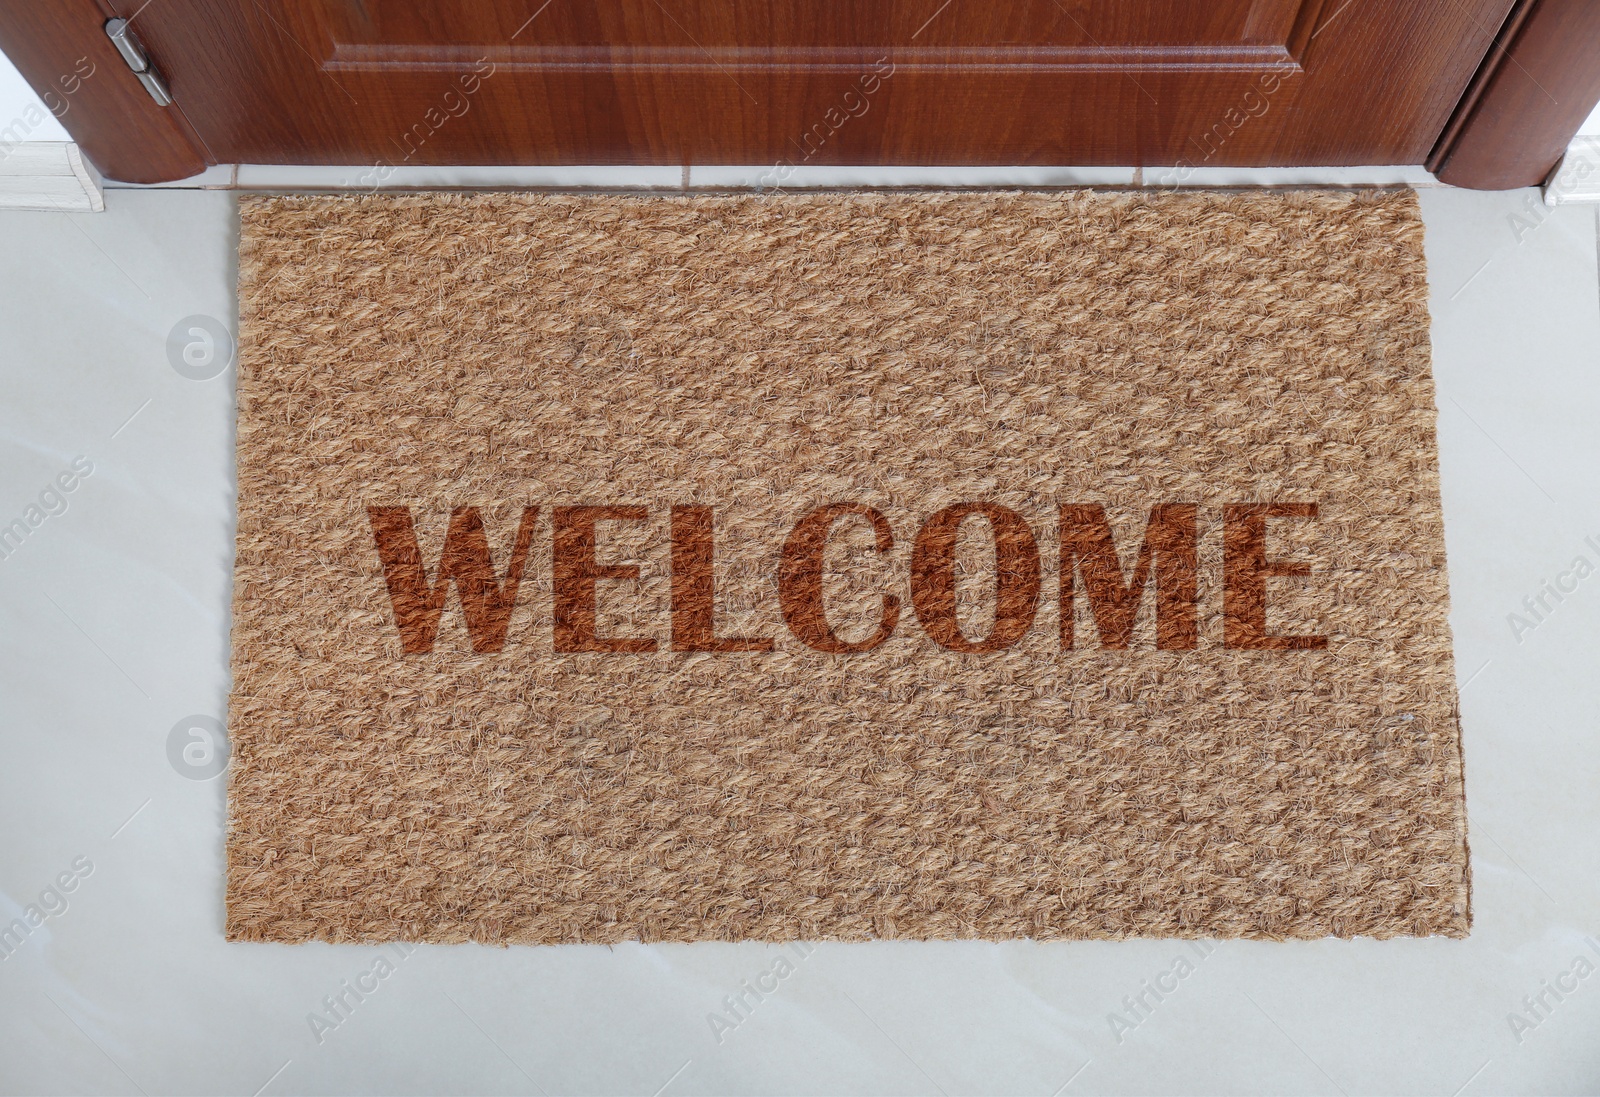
point(729, 29)
point(714, 81)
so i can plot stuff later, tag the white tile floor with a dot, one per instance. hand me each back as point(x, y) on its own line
point(113, 626)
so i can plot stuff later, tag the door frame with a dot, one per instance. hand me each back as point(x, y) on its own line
point(1528, 98)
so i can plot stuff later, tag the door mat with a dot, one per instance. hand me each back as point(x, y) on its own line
point(840, 566)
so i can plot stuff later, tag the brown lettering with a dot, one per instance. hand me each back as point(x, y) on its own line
point(1171, 542)
point(694, 592)
point(486, 604)
point(1245, 570)
point(1169, 551)
point(933, 580)
point(800, 579)
point(576, 573)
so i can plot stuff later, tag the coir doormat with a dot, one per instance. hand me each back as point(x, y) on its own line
point(840, 566)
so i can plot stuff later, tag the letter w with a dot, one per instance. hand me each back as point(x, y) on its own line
point(1171, 542)
point(485, 601)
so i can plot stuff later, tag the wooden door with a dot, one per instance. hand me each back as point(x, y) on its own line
point(1167, 84)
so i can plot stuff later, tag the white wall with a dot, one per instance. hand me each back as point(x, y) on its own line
point(1591, 126)
point(22, 115)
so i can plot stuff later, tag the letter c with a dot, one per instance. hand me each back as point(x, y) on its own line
point(800, 579)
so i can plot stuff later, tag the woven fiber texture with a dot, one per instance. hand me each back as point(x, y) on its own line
point(840, 566)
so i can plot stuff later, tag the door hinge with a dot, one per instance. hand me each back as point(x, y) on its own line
point(132, 51)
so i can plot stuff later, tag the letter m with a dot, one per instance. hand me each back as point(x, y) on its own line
point(486, 602)
point(1170, 548)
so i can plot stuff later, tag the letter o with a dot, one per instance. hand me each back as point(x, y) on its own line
point(933, 580)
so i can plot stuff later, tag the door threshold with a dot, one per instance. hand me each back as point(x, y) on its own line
point(301, 177)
